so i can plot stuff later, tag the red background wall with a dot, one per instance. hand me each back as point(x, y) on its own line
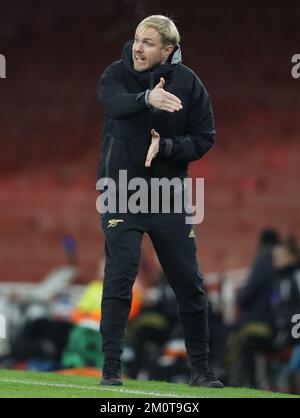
point(50, 125)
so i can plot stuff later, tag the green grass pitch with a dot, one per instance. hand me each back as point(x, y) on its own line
point(15, 384)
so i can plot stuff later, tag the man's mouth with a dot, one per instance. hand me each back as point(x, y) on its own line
point(139, 59)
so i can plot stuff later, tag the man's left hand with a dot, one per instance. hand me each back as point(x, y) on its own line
point(154, 147)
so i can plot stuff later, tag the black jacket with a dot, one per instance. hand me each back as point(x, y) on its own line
point(285, 296)
point(254, 298)
point(185, 135)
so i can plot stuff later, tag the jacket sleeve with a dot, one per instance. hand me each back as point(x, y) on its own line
point(200, 130)
point(114, 96)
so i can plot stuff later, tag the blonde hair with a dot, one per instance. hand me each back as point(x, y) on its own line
point(164, 25)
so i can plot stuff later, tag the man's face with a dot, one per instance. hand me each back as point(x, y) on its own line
point(282, 258)
point(148, 50)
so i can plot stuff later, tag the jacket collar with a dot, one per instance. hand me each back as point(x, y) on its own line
point(158, 71)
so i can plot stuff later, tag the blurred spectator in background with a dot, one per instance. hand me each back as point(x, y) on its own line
point(284, 301)
point(254, 305)
point(253, 298)
point(283, 356)
point(149, 333)
point(83, 346)
point(39, 333)
point(155, 347)
point(82, 350)
point(218, 331)
point(39, 344)
point(294, 369)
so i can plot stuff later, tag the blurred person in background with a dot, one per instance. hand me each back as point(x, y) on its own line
point(151, 330)
point(294, 368)
point(41, 320)
point(284, 301)
point(39, 344)
point(157, 119)
point(83, 346)
point(253, 301)
point(253, 298)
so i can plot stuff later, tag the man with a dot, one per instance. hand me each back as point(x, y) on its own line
point(254, 298)
point(284, 300)
point(157, 119)
point(255, 319)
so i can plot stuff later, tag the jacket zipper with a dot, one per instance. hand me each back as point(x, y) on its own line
point(107, 160)
point(151, 82)
point(151, 116)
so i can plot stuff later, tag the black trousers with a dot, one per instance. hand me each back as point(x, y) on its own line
point(176, 250)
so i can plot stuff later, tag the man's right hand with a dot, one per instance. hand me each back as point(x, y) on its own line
point(163, 100)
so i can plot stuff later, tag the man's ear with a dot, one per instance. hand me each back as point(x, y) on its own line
point(169, 50)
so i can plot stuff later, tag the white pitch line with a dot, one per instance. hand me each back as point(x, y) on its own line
point(100, 389)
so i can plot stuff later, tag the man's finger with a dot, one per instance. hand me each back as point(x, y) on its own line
point(170, 107)
point(172, 97)
point(167, 109)
point(154, 133)
point(148, 161)
point(151, 154)
point(175, 105)
point(148, 155)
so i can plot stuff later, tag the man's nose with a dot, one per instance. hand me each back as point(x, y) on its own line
point(139, 46)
